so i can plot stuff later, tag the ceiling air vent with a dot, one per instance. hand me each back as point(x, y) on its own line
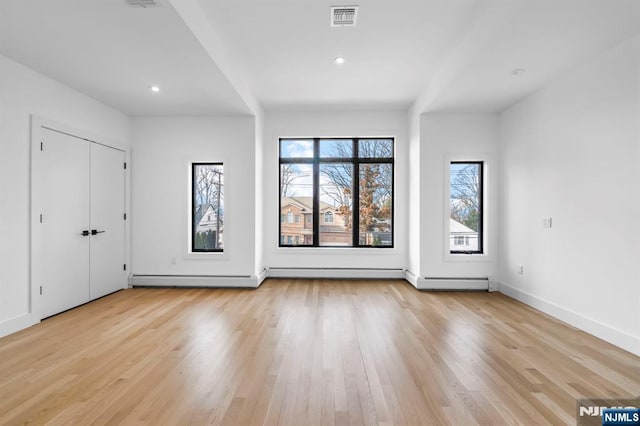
point(344, 16)
point(142, 3)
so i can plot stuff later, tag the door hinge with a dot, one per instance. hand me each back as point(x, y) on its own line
point(40, 290)
point(124, 266)
point(125, 166)
point(40, 217)
point(125, 216)
point(41, 146)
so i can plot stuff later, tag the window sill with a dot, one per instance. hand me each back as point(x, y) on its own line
point(213, 255)
point(468, 257)
point(349, 251)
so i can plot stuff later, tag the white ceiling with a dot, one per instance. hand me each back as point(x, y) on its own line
point(230, 56)
point(289, 48)
point(113, 53)
point(546, 38)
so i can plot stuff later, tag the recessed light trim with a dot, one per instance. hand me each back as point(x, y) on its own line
point(517, 71)
point(154, 88)
point(142, 3)
point(339, 60)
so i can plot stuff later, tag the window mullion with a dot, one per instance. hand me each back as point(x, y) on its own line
point(355, 190)
point(316, 192)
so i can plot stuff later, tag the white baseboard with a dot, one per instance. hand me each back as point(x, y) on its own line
point(341, 273)
point(411, 278)
point(450, 284)
point(16, 324)
point(262, 275)
point(254, 281)
point(605, 332)
point(222, 281)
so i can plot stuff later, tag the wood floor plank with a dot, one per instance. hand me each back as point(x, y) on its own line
point(306, 352)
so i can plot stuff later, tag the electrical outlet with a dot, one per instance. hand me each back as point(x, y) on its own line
point(174, 260)
point(547, 222)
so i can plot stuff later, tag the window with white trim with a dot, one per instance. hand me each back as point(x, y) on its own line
point(466, 207)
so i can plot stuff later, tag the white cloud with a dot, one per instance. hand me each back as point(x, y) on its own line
point(298, 149)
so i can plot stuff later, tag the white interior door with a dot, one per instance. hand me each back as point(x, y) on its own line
point(65, 251)
point(107, 256)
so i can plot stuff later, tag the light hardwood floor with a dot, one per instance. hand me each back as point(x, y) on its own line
point(305, 353)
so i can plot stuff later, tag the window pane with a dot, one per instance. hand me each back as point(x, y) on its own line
point(336, 148)
point(376, 204)
point(296, 204)
point(290, 148)
point(465, 207)
point(208, 207)
point(375, 148)
point(336, 204)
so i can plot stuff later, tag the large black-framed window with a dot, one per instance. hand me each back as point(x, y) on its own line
point(340, 188)
point(466, 207)
point(207, 207)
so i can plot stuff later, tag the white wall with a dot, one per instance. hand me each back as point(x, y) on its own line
point(572, 152)
point(415, 185)
point(334, 124)
point(163, 149)
point(259, 199)
point(24, 92)
point(447, 137)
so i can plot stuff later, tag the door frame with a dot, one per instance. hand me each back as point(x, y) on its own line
point(35, 205)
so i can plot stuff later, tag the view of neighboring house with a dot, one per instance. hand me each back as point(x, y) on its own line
point(207, 227)
point(461, 237)
point(296, 223)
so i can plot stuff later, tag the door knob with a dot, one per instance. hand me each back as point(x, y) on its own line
point(95, 232)
point(85, 233)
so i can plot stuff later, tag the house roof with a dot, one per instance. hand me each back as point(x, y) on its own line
point(456, 227)
point(304, 202)
point(202, 210)
point(386, 221)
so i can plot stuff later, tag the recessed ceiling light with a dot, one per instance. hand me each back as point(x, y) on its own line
point(517, 71)
point(154, 88)
point(339, 60)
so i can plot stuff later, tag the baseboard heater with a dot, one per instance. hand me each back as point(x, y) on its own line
point(341, 273)
point(216, 281)
point(452, 284)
